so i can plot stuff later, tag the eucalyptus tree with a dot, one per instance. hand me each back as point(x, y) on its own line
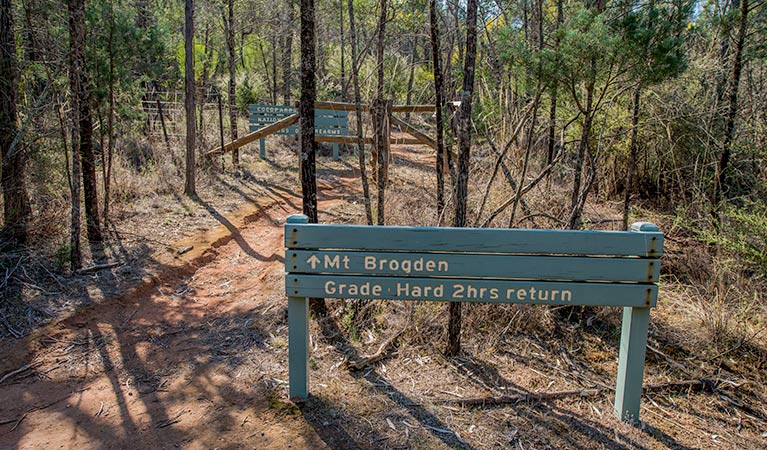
point(308, 153)
point(720, 182)
point(189, 98)
point(464, 156)
point(83, 121)
point(16, 209)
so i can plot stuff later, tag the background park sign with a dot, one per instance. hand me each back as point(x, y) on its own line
point(327, 122)
point(547, 267)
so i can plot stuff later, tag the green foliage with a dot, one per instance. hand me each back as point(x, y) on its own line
point(347, 320)
point(743, 233)
point(654, 36)
point(251, 88)
point(202, 55)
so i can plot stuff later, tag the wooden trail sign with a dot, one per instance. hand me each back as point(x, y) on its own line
point(327, 123)
point(549, 267)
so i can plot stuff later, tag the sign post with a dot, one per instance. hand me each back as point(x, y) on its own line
point(548, 267)
point(298, 337)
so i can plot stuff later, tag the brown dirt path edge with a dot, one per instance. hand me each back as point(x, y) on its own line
point(185, 359)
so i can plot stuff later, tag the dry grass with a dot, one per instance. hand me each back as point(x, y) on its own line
point(710, 321)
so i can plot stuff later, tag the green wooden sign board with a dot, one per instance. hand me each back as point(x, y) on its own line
point(549, 267)
point(326, 122)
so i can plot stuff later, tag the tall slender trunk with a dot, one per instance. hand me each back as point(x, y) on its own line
point(229, 29)
point(287, 55)
point(632, 157)
point(107, 162)
point(306, 113)
point(203, 87)
point(343, 50)
point(189, 185)
point(554, 85)
point(16, 209)
point(274, 69)
point(358, 113)
point(411, 76)
point(79, 78)
point(380, 120)
point(577, 198)
point(464, 155)
point(720, 183)
point(526, 162)
point(439, 95)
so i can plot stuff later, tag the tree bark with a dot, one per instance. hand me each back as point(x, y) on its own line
point(107, 162)
point(411, 75)
point(189, 102)
point(306, 114)
point(381, 111)
point(358, 113)
point(203, 87)
point(720, 183)
point(343, 50)
point(632, 157)
point(229, 29)
point(287, 55)
point(554, 85)
point(274, 69)
point(464, 155)
point(576, 198)
point(16, 209)
point(380, 121)
point(79, 80)
point(439, 95)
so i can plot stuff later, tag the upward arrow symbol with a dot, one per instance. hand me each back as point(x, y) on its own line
point(313, 261)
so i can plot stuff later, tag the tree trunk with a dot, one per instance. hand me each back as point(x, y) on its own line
point(381, 112)
point(79, 79)
point(274, 69)
point(203, 87)
point(287, 56)
point(189, 185)
point(111, 120)
point(380, 121)
point(15, 200)
point(720, 183)
point(411, 76)
point(464, 155)
point(229, 29)
point(358, 113)
point(632, 157)
point(439, 95)
point(554, 85)
point(306, 114)
point(344, 95)
point(577, 197)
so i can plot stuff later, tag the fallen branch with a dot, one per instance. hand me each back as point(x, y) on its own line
point(169, 422)
point(668, 359)
point(19, 370)
point(41, 407)
point(698, 385)
point(15, 333)
point(381, 354)
point(98, 268)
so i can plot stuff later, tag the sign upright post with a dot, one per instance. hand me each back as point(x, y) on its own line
point(633, 345)
point(298, 336)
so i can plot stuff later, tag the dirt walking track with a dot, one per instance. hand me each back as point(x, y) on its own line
point(185, 359)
